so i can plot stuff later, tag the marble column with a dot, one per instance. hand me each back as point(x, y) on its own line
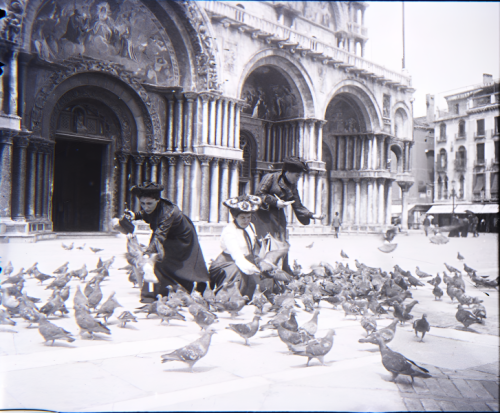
point(47, 180)
point(273, 144)
point(213, 118)
point(319, 194)
point(268, 143)
point(410, 144)
point(205, 188)
point(369, 155)
point(374, 153)
point(186, 196)
point(153, 163)
point(312, 140)
point(138, 161)
point(214, 191)
point(256, 181)
point(170, 123)
point(178, 122)
point(332, 200)
point(40, 167)
point(357, 201)
point(369, 202)
point(237, 110)
point(195, 190)
point(300, 125)
point(179, 184)
point(405, 157)
point(31, 180)
point(218, 122)
point(362, 164)
point(355, 153)
point(230, 138)
point(375, 201)
point(224, 189)
point(388, 202)
point(387, 153)
point(205, 119)
point(381, 201)
point(319, 145)
point(164, 177)
point(381, 152)
point(19, 177)
point(234, 178)
point(122, 190)
point(286, 140)
point(225, 120)
point(172, 162)
point(311, 188)
point(279, 145)
point(293, 140)
point(6, 174)
point(188, 126)
point(24, 60)
point(322, 198)
point(345, 182)
point(405, 187)
point(339, 152)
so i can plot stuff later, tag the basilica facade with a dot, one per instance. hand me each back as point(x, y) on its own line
point(203, 97)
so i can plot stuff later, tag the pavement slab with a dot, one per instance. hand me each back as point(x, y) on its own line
point(123, 371)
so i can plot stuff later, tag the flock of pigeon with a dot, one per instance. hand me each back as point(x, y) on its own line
point(365, 292)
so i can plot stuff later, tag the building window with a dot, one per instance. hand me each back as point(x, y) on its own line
point(494, 183)
point(440, 188)
point(461, 157)
point(480, 153)
point(442, 158)
point(442, 131)
point(445, 189)
point(461, 128)
point(457, 109)
point(478, 183)
point(461, 189)
point(497, 150)
point(497, 125)
point(480, 127)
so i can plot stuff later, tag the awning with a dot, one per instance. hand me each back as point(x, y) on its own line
point(490, 209)
point(478, 183)
point(441, 209)
point(461, 208)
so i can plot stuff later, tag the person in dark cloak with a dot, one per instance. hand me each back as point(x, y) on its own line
point(455, 222)
point(278, 190)
point(182, 262)
point(464, 230)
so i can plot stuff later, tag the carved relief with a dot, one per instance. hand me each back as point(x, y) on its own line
point(124, 32)
point(342, 118)
point(320, 12)
point(10, 26)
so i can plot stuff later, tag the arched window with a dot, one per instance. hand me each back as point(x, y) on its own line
point(445, 187)
point(442, 131)
point(442, 159)
point(461, 128)
point(461, 157)
point(461, 189)
point(401, 124)
point(440, 188)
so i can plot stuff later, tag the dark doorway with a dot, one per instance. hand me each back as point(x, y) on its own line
point(77, 186)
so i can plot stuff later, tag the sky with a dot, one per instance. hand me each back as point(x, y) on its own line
point(448, 45)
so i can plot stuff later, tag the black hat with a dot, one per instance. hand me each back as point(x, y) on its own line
point(294, 164)
point(147, 189)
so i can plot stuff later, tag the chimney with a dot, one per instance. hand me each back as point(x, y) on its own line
point(487, 79)
point(429, 101)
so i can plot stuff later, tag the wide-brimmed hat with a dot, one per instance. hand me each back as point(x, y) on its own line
point(294, 164)
point(146, 189)
point(244, 203)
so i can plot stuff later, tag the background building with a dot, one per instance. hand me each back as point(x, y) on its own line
point(204, 97)
point(467, 154)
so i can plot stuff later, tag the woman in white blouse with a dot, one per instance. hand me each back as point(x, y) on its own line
point(239, 245)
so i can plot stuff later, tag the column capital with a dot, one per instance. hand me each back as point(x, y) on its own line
point(138, 159)
point(321, 123)
point(21, 141)
point(310, 121)
point(172, 160)
point(215, 161)
point(321, 174)
point(6, 136)
point(188, 159)
point(122, 157)
point(345, 181)
point(204, 160)
point(235, 163)
point(190, 96)
point(225, 163)
point(204, 96)
point(178, 96)
point(404, 185)
point(357, 180)
point(312, 172)
point(381, 181)
point(45, 147)
point(154, 160)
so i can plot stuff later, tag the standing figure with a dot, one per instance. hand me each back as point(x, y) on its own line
point(278, 190)
point(427, 224)
point(464, 231)
point(474, 223)
point(239, 246)
point(174, 238)
point(336, 224)
point(455, 222)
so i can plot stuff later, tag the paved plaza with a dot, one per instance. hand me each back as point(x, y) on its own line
point(123, 371)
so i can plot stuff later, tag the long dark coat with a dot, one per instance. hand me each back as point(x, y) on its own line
point(183, 261)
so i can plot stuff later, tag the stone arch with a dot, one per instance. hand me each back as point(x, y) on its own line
point(129, 91)
point(363, 98)
point(402, 121)
point(327, 156)
point(295, 74)
point(397, 150)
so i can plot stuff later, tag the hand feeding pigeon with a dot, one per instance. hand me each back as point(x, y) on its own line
point(191, 353)
point(246, 331)
point(421, 326)
point(318, 348)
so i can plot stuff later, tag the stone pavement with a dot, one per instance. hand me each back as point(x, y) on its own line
point(123, 371)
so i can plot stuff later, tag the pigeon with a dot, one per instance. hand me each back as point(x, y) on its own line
point(479, 311)
point(414, 282)
point(438, 292)
point(312, 325)
point(191, 353)
point(42, 277)
point(149, 309)
point(54, 305)
point(458, 281)
point(204, 318)
point(108, 307)
point(435, 281)
point(15, 278)
point(386, 333)
point(68, 247)
point(397, 364)
point(308, 301)
point(79, 298)
point(452, 291)
point(460, 257)
point(291, 323)
point(95, 297)
point(31, 315)
point(279, 318)
point(421, 274)
point(81, 247)
point(96, 250)
point(468, 269)
point(343, 254)
point(51, 332)
point(9, 301)
point(335, 300)
point(466, 317)
point(259, 300)
point(318, 348)
point(80, 273)
point(421, 326)
point(59, 282)
point(125, 317)
point(5, 319)
point(310, 245)
point(369, 324)
point(89, 324)
point(167, 313)
point(8, 269)
point(295, 340)
point(451, 269)
point(351, 309)
point(88, 289)
point(246, 331)
point(235, 304)
point(63, 269)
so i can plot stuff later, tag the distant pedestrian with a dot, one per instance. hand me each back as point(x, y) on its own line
point(427, 224)
point(336, 224)
point(474, 224)
point(465, 227)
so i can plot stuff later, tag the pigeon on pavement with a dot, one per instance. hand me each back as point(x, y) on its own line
point(42, 277)
point(318, 348)
point(369, 324)
point(96, 250)
point(95, 297)
point(8, 269)
point(386, 333)
point(460, 257)
point(295, 340)
point(191, 353)
point(451, 269)
point(125, 317)
point(54, 305)
point(167, 313)
point(108, 307)
point(246, 331)
point(421, 326)
point(149, 309)
point(259, 300)
point(68, 247)
point(398, 364)
point(438, 292)
point(5, 319)
point(89, 324)
point(204, 318)
point(51, 332)
point(14, 279)
point(421, 274)
point(311, 327)
point(479, 311)
point(59, 282)
point(466, 317)
point(63, 269)
point(310, 245)
point(343, 254)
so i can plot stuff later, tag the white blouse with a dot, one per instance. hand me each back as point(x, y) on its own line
point(233, 242)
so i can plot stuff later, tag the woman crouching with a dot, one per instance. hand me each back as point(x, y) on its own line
point(239, 247)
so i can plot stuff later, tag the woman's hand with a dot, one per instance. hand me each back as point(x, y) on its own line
point(318, 216)
point(282, 204)
point(129, 214)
